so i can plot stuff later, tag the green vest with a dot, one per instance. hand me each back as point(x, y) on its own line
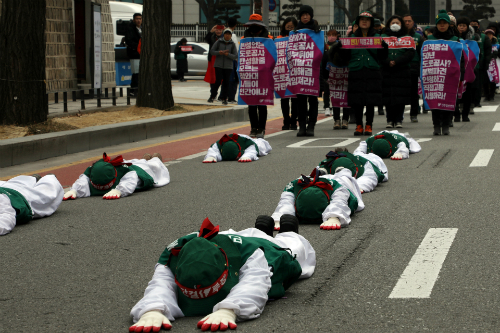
point(395, 53)
point(121, 170)
point(363, 58)
point(418, 40)
point(480, 42)
point(393, 139)
point(286, 270)
point(243, 142)
point(359, 162)
point(24, 214)
point(295, 188)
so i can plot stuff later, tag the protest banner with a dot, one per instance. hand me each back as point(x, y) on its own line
point(493, 69)
point(440, 73)
point(376, 42)
point(465, 56)
point(256, 61)
point(280, 73)
point(186, 48)
point(337, 81)
point(471, 56)
point(304, 54)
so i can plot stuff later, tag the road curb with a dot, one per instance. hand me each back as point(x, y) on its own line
point(38, 147)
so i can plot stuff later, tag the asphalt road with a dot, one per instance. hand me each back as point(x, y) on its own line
point(83, 269)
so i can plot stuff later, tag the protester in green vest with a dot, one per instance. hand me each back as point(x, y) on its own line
point(238, 147)
point(368, 169)
point(389, 144)
point(113, 179)
point(328, 200)
point(24, 198)
point(225, 276)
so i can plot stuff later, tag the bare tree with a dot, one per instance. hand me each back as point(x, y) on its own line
point(22, 62)
point(353, 10)
point(208, 7)
point(155, 89)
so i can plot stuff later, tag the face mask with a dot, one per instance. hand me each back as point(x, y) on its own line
point(395, 27)
point(476, 29)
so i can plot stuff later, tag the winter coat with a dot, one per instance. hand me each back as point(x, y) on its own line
point(132, 38)
point(223, 61)
point(179, 54)
point(396, 84)
point(419, 40)
point(210, 39)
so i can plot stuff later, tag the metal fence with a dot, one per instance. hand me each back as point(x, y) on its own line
point(97, 94)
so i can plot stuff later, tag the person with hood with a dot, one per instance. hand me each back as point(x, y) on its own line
point(239, 147)
point(389, 144)
point(365, 76)
point(181, 59)
point(307, 116)
point(225, 52)
point(482, 66)
point(490, 87)
point(414, 67)
point(257, 28)
point(223, 276)
point(396, 87)
point(289, 118)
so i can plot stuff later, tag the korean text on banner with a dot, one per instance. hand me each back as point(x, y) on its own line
point(493, 70)
point(337, 81)
point(304, 54)
point(280, 74)
point(256, 61)
point(440, 73)
point(465, 55)
point(376, 42)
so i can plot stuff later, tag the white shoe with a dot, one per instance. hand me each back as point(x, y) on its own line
point(389, 125)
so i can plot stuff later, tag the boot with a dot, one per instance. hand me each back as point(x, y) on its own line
point(310, 130)
point(289, 223)
point(457, 119)
point(265, 224)
point(359, 130)
point(437, 130)
point(345, 124)
point(253, 132)
point(336, 126)
point(302, 129)
point(368, 130)
point(450, 124)
point(445, 130)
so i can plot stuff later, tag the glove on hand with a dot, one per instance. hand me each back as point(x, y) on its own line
point(70, 195)
point(151, 320)
point(331, 224)
point(210, 160)
point(113, 194)
point(322, 171)
point(244, 159)
point(397, 156)
point(219, 320)
point(276, 225)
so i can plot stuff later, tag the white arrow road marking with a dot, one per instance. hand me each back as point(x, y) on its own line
point(300, 144)
point(423, 140)
point(497, 127)
point(422, 271)
point(489, 108)
point(482, 158)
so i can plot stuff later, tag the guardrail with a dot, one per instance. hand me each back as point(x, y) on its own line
point(92, 94)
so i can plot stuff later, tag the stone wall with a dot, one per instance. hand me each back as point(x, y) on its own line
point(108, 47)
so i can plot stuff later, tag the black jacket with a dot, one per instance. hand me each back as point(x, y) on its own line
point(132, 38)
point(211, 38)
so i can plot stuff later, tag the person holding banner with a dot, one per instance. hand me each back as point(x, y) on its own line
point(396, 74)
point(490, 88)
point(482, 65)
point(180, 57)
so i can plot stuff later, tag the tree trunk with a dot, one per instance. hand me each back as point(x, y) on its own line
point(155, 88)
point(22, 62)
point(448, 5)
point(210, 15)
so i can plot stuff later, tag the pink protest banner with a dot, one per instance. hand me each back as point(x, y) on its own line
point(337, 81)
point(493, 71)
point(280, 73)
point(419, 86)
point(304, 54)
point(256, 61)
point(376, 42)
point(465, 55)
point(440, 74)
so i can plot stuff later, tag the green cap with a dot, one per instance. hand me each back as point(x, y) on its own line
point(230, 151)
point(311, 202)
point(382, 148)
point(103, 175)
point(346, 163)
point(442, 15)
point(203, 275)
point(377, 22)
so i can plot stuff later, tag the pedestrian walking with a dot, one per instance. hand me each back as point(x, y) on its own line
point(180, 57)
point(414, 67)
point(132, 38)
point(396, 85)
point(225, 53)
point(490, 87)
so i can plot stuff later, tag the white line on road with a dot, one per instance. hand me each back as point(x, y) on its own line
point(190, 157)
point(497, 127)
point(482, 158)
point(422, 271)
point(489, 108)
point(423, 140)
point(345, 142)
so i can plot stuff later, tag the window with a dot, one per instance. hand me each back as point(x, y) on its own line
point(197, 49)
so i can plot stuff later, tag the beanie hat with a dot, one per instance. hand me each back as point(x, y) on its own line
point(255, 19)
point(463, 20)
point(367, 14)
point(230, 151)
point(489, 30)
point(442, 15)
point(453, 19)
point(306, 9)
point(377, 22)
point(103, 173)
point(346, 163)
point(227, 30)
point(381, 148)
point(313, 198)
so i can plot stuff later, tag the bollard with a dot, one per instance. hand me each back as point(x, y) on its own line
point(73, 94)
point(106, 95)
point(113, 94)
point(56, 98)
point(82, 96)
point(98, 98)
point(65, 101)
point(128, 96)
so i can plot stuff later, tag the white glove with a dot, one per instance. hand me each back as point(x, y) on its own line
point(113, 194)
point(397, 156)
point(323, 171)
point(245, 159)
point(276, 225)
point(70, 195)
point(210, 160)
point(219, 320)
point(151, 320)
point(331, 224)
point(338, 169)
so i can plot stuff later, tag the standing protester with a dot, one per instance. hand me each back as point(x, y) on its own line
point(365, 76)
point(256, 28)
point(289, 122)
point(414, 67)
point(396, 74)
point(132, 38)
point(490, 87)
point(306, 14)
point(225, 52)
point(181, 59)
point(212, 36)
point(331, 36)
point(233, 85)
point(378, 29)
point(482, 65)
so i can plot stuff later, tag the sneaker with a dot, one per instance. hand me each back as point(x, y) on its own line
point(158, 155)
point(399, 124)
point(260, 134)
point(147, 157)
point(414, 119)
point(289, 223)
point(359, 130)
point(224, 102)
point(345, 124)
point(210, 100)
point(389, 125)
point(368, 130)
point(327, 112)
point(232, 101)
point(437, 130)
point(253, 132)
point(265, 224)
point(336, 126)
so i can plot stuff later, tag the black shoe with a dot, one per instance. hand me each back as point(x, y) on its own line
point(478, 106)
point(37, 176)
point(457, 119)
point(465, 119)
point(437, 130)
point(445, 130)
point(310, 130)
point(425, 111)
point(224, 102)
point(293, 127)
point(289, 223)
point(381, 112)
point(265, 224)
point(232, 101)
point(471, 111)
point(210, 100)
point(302, 130)
point(219, 99)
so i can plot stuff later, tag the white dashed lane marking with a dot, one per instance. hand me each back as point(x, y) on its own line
point(489, 108)
point(482, 158)
point(496, 128)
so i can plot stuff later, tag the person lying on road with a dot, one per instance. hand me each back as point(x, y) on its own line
point(393, 144)
point(237, 147)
